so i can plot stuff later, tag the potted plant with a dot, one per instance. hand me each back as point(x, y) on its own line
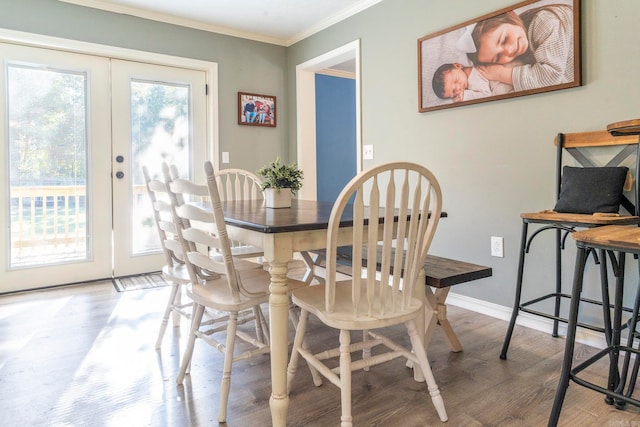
point(280, 182)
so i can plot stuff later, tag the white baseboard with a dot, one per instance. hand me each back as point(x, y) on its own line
point(584, 336)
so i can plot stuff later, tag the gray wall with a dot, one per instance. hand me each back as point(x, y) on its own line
point(494, 160)
point(243, 65)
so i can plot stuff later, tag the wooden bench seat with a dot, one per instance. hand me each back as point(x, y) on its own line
point(440, 273)
point(444, 272)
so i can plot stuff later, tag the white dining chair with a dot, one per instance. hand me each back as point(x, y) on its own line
point(405, 193)
point(219, 281)
point(174, 271)
point(233, 185)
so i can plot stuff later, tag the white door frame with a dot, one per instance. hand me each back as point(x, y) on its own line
point(306, 112)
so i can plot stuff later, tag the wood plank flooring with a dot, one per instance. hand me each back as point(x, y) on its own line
point(84, 356)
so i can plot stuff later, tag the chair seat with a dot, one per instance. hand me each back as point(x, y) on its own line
point(551, 217)
point(216, 294)
point(176, 273)
point(312, 299)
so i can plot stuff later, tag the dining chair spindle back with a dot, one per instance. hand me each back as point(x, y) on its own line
point(237, 185)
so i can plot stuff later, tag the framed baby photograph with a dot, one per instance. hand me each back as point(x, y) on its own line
point(530, 47)
point(256, 110)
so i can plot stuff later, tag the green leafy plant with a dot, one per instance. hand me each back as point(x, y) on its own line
point(279, 175)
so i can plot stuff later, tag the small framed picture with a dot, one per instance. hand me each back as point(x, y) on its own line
point(256, 110)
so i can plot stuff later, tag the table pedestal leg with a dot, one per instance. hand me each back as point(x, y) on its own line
point(278, 315)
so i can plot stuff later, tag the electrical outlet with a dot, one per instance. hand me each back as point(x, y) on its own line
point(497, 246)
point(225, 157)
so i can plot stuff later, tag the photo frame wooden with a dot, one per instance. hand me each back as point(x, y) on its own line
point(256, 109)
point(473, 62)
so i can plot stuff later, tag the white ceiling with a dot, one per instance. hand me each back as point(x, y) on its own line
point(281, 22)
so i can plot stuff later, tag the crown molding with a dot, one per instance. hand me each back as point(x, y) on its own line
point(175, 20)
point(204, 26)
point(326, 23)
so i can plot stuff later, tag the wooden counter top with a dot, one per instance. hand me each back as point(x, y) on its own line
point(627, 127)
point(615, 237)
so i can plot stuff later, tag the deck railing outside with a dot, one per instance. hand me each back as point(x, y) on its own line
point(49, 223)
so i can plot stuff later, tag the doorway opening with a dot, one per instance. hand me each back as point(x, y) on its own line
point(344, 60)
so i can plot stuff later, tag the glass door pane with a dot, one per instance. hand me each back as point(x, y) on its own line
point(47, 113)
point(159, 133)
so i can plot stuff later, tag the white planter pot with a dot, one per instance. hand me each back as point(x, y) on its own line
point(277, 198)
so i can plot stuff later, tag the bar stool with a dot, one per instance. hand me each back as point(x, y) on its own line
point(616, 242)
point(571, 213)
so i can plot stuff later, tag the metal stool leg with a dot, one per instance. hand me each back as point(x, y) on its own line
point(606, 312)
point(556, 310)
point(563, 383)
point(516, 304)
point(631, 338)
point(617, 379)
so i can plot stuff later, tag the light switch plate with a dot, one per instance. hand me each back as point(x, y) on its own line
point(225, 157)
point(367, 152)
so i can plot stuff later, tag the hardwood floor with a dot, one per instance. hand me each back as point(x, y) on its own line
point(84, 356)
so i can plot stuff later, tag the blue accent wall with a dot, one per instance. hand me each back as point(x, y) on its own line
point(335, 134)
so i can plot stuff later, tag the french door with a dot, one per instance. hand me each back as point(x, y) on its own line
point(159, 115)
point(76, 131)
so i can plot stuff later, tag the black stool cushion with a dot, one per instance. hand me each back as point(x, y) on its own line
point(591, 190)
